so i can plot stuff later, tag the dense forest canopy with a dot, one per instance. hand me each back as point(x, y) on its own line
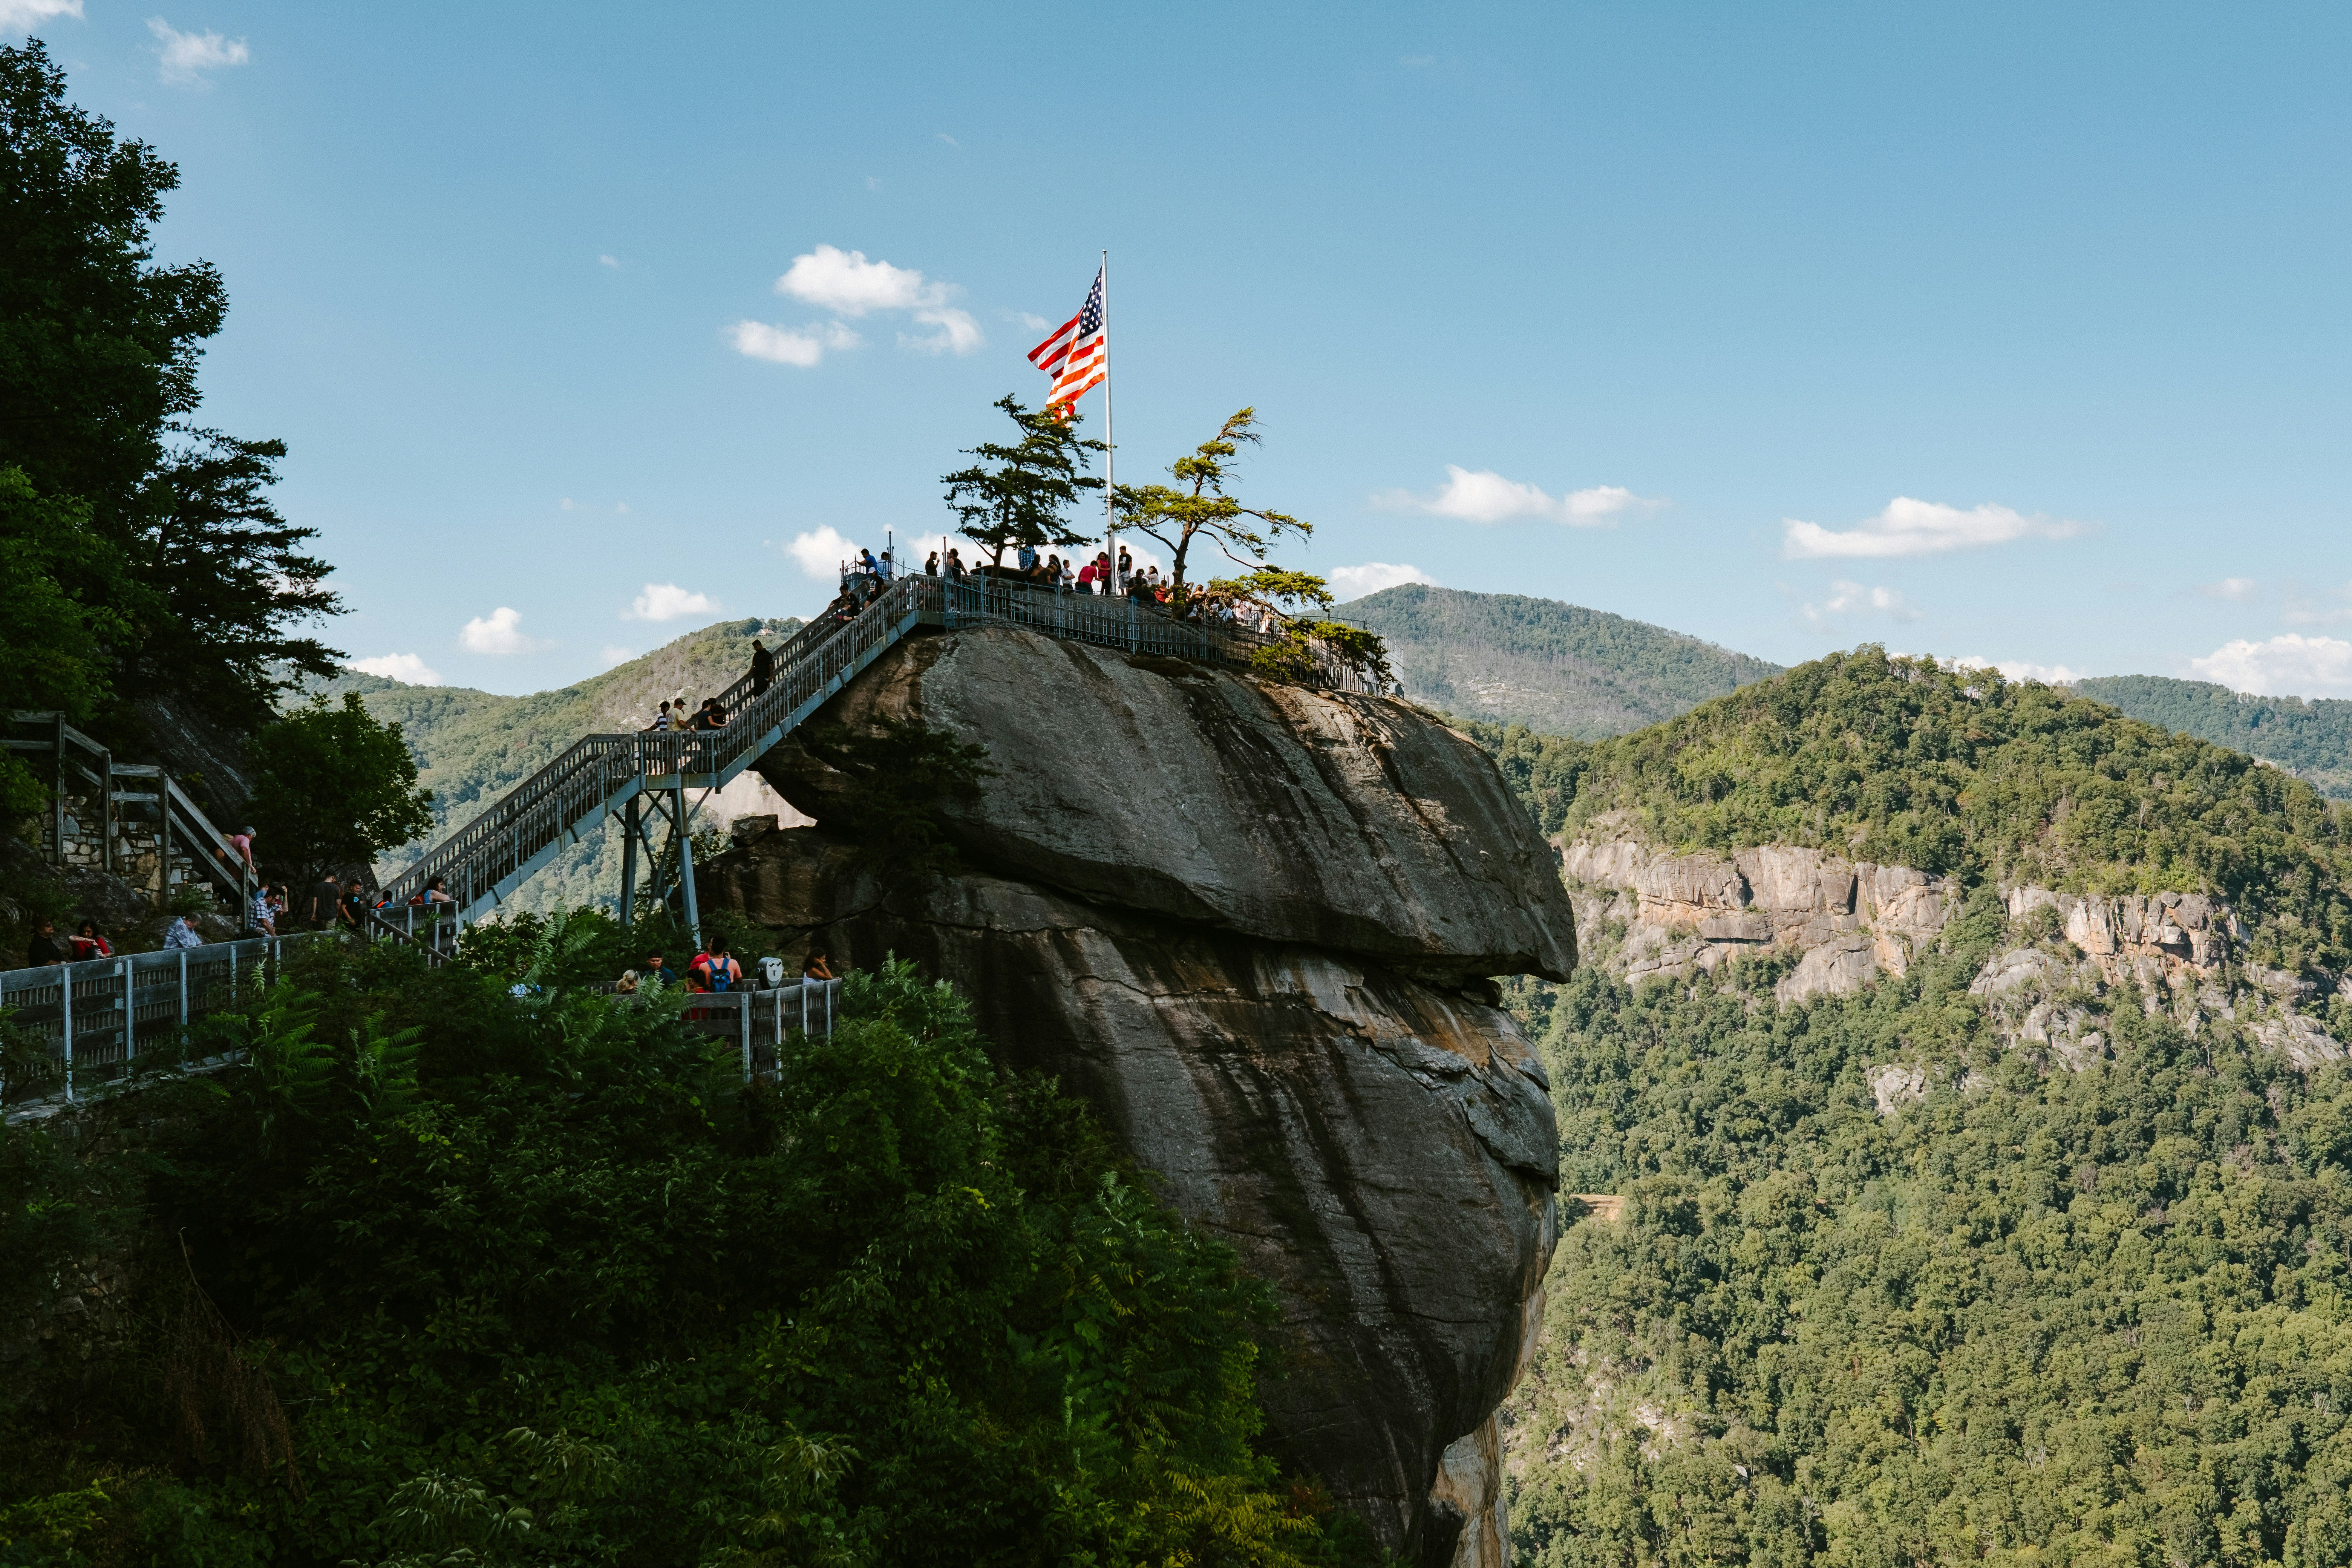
point(442, 1276)
point(1903, 761)
point(2313, 738)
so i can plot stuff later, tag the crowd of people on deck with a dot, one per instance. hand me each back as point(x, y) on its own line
point(712, 969)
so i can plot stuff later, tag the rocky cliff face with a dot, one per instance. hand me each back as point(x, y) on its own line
point(1254, 926)
point(1650, 911)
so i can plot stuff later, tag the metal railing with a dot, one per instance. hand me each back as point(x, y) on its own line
point(759, 1020)
point(101, 1016)
point(486, 858)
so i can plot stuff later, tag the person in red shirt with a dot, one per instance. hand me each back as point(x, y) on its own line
point(717, 969)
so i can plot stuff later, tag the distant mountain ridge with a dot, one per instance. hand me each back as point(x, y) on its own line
point(2311, 739)
point(1559, 669)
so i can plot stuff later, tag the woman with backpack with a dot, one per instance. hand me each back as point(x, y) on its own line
point(716, 969)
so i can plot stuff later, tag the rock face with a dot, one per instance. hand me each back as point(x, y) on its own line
point(1851, 920)
point(1252, 925)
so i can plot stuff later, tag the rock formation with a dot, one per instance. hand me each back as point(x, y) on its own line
point(1851, 921)
point(1254, 926)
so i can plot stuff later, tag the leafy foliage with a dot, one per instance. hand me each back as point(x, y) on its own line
point(99, 351)
point(2035, 1317)
point(1197, 509)
point(332, 787)
point(1900, 761)
point(1020, 494)
point(2312, 739)
point(578, 1295)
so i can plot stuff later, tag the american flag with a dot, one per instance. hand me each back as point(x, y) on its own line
point(1077, 356)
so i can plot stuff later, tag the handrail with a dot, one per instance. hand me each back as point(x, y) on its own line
point(599, 771)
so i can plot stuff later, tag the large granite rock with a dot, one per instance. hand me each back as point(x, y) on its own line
point(1381, 1151)
point(1252, 925)
point(1350, 822)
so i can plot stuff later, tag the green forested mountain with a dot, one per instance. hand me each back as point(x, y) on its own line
point(2311, 739)
point(472, 745)
point(1892, 1284)
point(1559, 669)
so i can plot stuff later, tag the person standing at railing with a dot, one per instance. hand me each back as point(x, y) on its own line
point(353, 911)
point(716, 969)
point(1026, 559)
point(320, 910)
point(931, 567)
point(182, 934)
point(1126, 569)
point(89, 943)
point(243, 844)
point(655, 973)
point(44, 949)
point(261, 916)
point(764, 667)
point(816, 968)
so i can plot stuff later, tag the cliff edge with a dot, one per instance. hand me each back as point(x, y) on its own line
point(1254, 926)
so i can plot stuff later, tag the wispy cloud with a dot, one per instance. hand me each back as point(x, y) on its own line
point(2230, 589)
point(611, 261)
point(1355, 581)
point(1909, 527)
point(850, 285)
point(187, 56)
point(498, 633)
point(783, 345)
point(2288, 664)
point(1848, 599)
point(668, 602)
point(2305, 610)
point(27, 15)
point(940, 134)
point(1481, 495)
point(821, 551)
point(2020, 669)
point(613, 653)
point(405, 667)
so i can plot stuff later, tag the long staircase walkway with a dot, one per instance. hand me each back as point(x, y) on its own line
point(642, 778)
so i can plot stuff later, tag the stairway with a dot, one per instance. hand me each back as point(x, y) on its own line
point(483, 863)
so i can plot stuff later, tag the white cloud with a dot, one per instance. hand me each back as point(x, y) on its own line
point(781, 346)
point(821, 554)
point(2020, 669)
point(2234, 590)
point(1355, 581)
point(187, 56)
point(569, 505)
point(957, 333)
point(29, 14)
point(613, 653)
point(2289, 665)
point(845, 283)
point(611, 261)
point(1481, 495)
point(668, 602)
point(1853, 598)
point(501, 633)
point(2303, 610)
point(1035, 323)
point(1909, 527)
point(946, 137)
point(404, 666)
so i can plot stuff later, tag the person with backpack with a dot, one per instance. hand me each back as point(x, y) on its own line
point(715, 969)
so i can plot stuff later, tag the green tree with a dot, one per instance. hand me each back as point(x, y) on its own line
point(334, 786)
point(1021, 494)
point(1197, 507)
point(1308, 639)
point(99, 349)
point(69, 596)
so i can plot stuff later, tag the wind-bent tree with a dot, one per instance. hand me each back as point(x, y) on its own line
point(1020, 494)
point(1196, 508)
point(99, 350)
point(335, 788)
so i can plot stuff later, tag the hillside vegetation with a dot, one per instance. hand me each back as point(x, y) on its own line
point(1965, 773)
point(1559, 669)
point(472, 746)
point(2311, 739)
point(1892, 1285)
point(544, 1282)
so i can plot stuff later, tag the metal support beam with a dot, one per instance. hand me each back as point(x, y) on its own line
point(683, 829)
point(629, 862)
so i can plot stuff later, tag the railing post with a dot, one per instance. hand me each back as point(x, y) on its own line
point(184, 997)
point(743, 1024)
point(130, 1016)
point(65, 973)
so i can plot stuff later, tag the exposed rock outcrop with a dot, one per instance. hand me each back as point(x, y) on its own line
point(2160, 940)
point(1252, 925)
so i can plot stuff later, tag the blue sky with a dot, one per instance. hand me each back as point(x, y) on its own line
point(2011, 333)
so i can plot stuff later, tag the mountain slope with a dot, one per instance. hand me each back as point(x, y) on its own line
point(2311, 739)
point(471, 746)
point(2031, 1245)
point(1555, 667)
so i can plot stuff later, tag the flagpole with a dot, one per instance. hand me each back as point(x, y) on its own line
point(1110, 448)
